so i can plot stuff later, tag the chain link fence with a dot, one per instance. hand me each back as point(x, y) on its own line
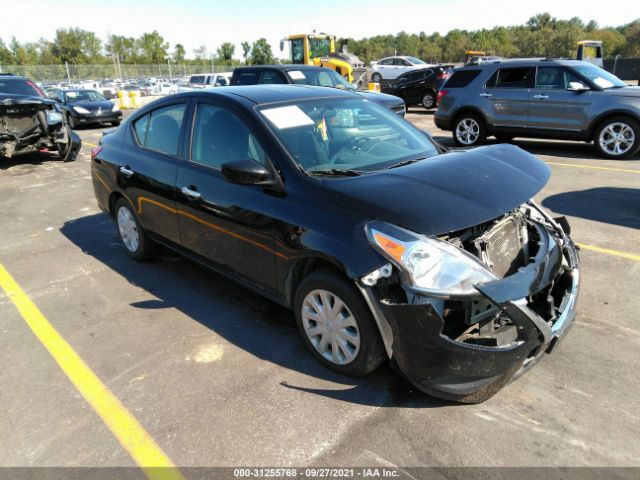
point(82, 73)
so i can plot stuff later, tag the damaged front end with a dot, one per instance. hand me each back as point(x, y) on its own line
point(30, 124)
point(463, 314)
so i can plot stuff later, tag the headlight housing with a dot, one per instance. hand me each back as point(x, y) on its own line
point(53, 118)
point(82, 110)
point(116, 107)
point(428, 264)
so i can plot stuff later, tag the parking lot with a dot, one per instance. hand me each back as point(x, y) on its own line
point(217, 375)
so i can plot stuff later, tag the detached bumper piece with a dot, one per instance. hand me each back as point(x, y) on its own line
point(443, 354)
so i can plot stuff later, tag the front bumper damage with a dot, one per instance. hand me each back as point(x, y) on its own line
point(414, 332)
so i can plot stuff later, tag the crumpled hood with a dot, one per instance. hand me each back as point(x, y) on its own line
point(445, 193)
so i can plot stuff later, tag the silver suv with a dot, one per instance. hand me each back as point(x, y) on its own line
point(543, 98)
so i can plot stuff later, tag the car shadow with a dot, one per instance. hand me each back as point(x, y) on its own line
point(617, 206)
point(197, 292)
point(566, 149)
point(33, 159)
point(416, 110)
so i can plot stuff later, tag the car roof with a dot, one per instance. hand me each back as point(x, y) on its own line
point(272, 93)
point(281, 66)
point(526, 62)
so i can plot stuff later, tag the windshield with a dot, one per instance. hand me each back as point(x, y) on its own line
point(83, 95)
point(322, 77)
point(415, 61)
point(600, 77)
point(346, 135)
point(297, 50)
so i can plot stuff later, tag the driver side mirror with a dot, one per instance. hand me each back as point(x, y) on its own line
point(246, 172)
point(577, 87)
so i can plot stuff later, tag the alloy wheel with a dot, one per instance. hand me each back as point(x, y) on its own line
point(467, 131)
point(330, 327)
point(428, 101)
point(128, 229)
point(616, 138)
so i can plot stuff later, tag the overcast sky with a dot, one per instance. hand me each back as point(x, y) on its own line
point(202, 22)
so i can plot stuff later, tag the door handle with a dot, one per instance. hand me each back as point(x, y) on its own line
point(486, 94)
point(541, 97)
point(190, 194)
point(126, 171)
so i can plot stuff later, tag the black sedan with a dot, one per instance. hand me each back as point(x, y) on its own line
point(382, 244)
point(420, 87)
point(83, 107)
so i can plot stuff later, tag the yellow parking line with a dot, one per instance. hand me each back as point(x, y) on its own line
point(90, 144)
point(628, 170)
point(131, 435)
point(608, 251)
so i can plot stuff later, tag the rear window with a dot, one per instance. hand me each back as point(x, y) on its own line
point(462, 78)
point(19, 87)
point(248, 78)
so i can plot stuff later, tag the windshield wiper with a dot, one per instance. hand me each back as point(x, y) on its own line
point(336, 172)
point(406, 162)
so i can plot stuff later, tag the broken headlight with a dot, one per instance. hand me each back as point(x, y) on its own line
point(428, 264)
point(53, 118)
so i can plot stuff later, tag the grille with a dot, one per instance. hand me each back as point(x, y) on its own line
point(502, 247)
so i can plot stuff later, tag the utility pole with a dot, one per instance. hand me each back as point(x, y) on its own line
point(169, 64)
point(66, 64)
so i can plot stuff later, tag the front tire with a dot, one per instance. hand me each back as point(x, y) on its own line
point(336, 324)
point(376, 77)
point(71, 122)
point(617, 137)
point(469, 130)
point(136, 242)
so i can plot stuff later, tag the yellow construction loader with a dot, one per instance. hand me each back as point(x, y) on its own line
point(320, 49)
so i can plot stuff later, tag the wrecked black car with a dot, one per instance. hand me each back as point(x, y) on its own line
point(29, 122)
point(383, 244)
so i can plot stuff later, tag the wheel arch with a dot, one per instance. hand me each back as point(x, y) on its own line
point(596, 122)
point(467, 110)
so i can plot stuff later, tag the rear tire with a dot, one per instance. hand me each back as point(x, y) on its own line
point(376, 77)
point(469, 130)
point(617, 137)
point(136, 242)
point(346, 325)
point(429, 100)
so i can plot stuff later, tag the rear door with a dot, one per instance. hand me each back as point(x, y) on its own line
point(148, 171)
point(386, 68)
point(229, 226)
point(552, 106)
point(505, 96)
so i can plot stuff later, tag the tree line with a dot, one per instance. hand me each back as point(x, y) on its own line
point(542, 35)
point(77, 47)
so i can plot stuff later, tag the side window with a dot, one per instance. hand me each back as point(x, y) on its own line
point(404, 78)
point(140, 128)
point(570, 77)
point(519, 77)
point(550, 78)
point(403, 63)
point(219, 136)
point(160, 130)
point(386, 61)
point(270, 76)
point(221, 80)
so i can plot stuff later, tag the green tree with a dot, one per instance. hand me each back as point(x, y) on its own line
point(6, 55)
point(153, 47)
point(261, 53)
point(225, 52)
point(246, 51)
point(75, 45)
point(178, 53)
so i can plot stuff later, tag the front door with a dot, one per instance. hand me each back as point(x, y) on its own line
point(505, 98)
point(230, 226)
point(552, 106)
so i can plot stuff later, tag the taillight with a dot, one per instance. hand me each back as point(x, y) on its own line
point(444, 75)
point(95, 151)
point(441, 94)
point(36, 88)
